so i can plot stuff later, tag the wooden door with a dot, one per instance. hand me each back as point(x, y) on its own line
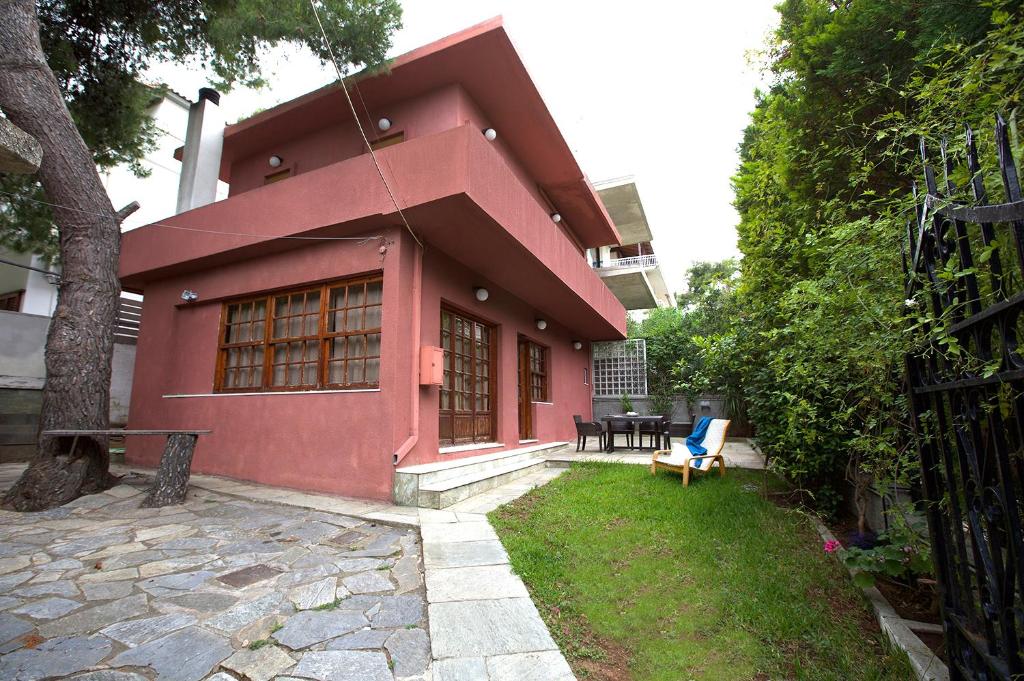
point(468, 412)
point(524, 392)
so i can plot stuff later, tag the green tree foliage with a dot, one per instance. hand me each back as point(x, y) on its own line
point(675, 335)
point(99, 50)
point(823, 196)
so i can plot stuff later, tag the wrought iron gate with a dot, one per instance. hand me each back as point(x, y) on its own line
point(966, 382)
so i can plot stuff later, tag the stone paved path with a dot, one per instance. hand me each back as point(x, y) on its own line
point(221, 588)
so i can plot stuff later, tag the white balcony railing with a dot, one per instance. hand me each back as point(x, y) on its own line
point(644, 261)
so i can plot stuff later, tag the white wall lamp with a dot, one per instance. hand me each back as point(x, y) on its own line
point(481, 293)
point(556, 217)
point(275, 161)
point(576, 345)
point(189, 296)
point(490, 134)
point(542, 324)
point(384, 124)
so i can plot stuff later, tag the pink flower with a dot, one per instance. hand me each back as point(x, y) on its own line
point(831, 546)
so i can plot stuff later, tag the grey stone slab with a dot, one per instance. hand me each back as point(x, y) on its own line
point(47, 608)
point(398, 611)
point(314, 595)
point(105, 591)
point(55, 658)
point(224, 676)
point(62, 587)
point(108, 575)
point(203, 601)
point(163, 567)
point(309, 531)
point(460, 669)
point(370, 553)
point(88, 544)
point(448, 533)
point(187, 543)
point(368, 603)
point(474, 583)
point(368, 582)
point(251, 546)
point(14, 563)
point(492, 627)
point(408, 574)
point(9, 581)
point(409, 650)
point(313, 626)
point(9, 548)
point(238, 616)
point(62, 564)
point(175, 584)
point(545, 666)
point(135, 632)
point(344, 665)
point(261, 664)
point(185, 655)
point(8, 602)
point(364, 639)
point(12, 627)
point(360, 564)
point(97, 617)
point(464, 554)
point(134, 559)
point(108, 675)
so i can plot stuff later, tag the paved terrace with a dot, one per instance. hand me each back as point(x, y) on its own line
point(246, 581)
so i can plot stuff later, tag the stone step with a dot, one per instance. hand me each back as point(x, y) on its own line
point(452, 480)
point(445, 493)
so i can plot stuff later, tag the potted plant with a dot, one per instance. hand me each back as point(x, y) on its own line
point(627, 405)
point(661, 404)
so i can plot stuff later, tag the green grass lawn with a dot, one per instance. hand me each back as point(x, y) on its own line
point(640, 578)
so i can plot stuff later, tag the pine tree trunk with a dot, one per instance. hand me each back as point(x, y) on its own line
point(171, 483)
point(80, 342)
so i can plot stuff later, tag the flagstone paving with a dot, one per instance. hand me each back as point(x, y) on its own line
point(219, 588)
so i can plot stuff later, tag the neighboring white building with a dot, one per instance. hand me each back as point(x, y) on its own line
point(631, 270)
point(23, 290)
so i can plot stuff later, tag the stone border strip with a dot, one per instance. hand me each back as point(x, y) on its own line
point(927, 666)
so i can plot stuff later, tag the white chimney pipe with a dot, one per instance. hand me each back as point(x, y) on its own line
point(200, 161)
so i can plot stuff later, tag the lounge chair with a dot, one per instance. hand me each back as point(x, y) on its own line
point(681, 460)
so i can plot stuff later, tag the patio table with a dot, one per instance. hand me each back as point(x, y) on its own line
point(632, 419)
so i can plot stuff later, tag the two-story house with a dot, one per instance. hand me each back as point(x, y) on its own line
point(331, 328)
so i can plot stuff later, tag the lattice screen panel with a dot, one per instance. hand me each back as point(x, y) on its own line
point(620, 367)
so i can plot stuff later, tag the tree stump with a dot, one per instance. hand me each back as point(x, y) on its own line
point(171, 483)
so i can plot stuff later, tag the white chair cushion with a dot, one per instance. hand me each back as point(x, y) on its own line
point(679, 456)
point(715, 437)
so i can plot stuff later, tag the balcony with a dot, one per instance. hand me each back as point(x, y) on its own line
point(644, 262)
point(636, 281)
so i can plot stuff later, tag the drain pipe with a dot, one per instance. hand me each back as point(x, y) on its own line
point(417, 304)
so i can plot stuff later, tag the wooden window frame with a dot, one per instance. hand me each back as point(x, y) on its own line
point(323, 336)
point(492, 377)
point(539, 357)
point(17, 296)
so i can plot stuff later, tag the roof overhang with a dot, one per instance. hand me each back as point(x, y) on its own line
point(483, 61)
point(622, 200)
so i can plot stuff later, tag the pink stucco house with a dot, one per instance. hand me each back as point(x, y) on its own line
point(315, 362)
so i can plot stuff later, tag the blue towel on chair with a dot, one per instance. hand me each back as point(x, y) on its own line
point(693, 442)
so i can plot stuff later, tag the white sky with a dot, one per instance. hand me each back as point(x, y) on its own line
point(654, 89)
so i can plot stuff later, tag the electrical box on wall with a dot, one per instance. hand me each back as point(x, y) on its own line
point(431, 365)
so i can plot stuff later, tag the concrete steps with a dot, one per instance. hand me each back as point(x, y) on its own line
point(441, 484)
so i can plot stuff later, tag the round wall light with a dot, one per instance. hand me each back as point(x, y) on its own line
point(556, 217)
point(576, 345)
point(542, 324)
point(275, 161)
point(491, 134)
point(384, 124)
point(481, 293)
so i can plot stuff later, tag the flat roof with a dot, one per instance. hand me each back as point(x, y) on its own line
point(622, 200)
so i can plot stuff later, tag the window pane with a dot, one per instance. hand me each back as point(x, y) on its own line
point(355, 371)
point(357, 346)
point(355, 320)
point(281, 306)
point(372, 319)
point(374, 291)
point(337, 322)
point(280, 328)
point(312, 350)
point(355, 295)
point(294, 376)
point(372, 370)
point(313, 301)
point(338, 346)
point(279, 373)
point(312, 324)
point(257, 330)
point(336, 373)
point(373, 344)
point(309, 374)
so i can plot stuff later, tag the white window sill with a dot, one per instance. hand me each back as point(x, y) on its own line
point(469, 448)
point(528, 442)
point(282, 392)
point(543, 403)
